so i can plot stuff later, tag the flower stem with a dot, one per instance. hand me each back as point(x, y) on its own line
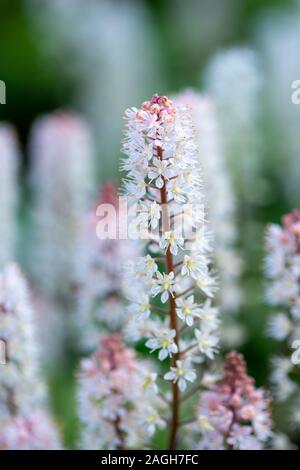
point(119, 433)
point(175, 389)
point(173, 316)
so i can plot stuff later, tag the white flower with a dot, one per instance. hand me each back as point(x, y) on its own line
point(282, 269)
point(295, 310)
point(149, 383)
point(17, 326)
point(148, 121)
point(160, 171)
point(141, 309)
point(280, 326)
point(154, 214)
point(34, 431)
point(153, 421)
point(209, 317)
point(261, 424)
point(164, 284)
point(282, 366)
point(283, 289)
point(146, 266)
point(136, 329)
point(281, 441)
point(176, 190)
point(23, 417)
point(207, 283)
point(136, 188)
point(163, 340)
point(284, 387)
point(172, 239)
point(180, 374)
point(191, 266)
point(149, 214)
point(187, 310)
point(112, 396)
point(207, 343)
point(204, 424)
point(172, 172)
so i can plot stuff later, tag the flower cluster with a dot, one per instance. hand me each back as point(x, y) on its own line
point(233, 77)
point(22, 393)
point(101, 292)
point(220, 198)
point(62, 182)
point(171, 287)
point(283, 293)
point(278, 41)
point(36, 431)
point(117, 398)
point(233, 414)
point(8, 193)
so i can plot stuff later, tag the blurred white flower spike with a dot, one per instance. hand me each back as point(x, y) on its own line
point(24, 420)
point(221, 203)
point(170, 285)
point(279, 41)
point(33, 432)
point(62, 183)
point(101, 304)
point(234, 414)
point(282, 267)
point(9, 164)
point(119, 405)
point(234, 81)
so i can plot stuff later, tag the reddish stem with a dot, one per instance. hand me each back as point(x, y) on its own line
point(173, 316)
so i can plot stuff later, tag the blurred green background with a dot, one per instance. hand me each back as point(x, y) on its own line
point(35, 85)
